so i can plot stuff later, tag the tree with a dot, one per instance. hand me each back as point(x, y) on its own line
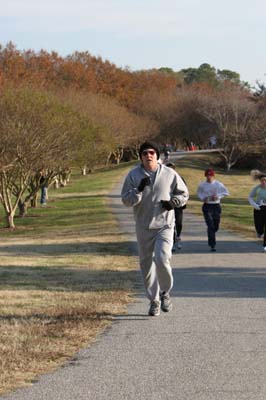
point(227, 75)
point(37, 132)
point(206, 73)
point(176, 114)
point(236, 119)
point(116, 128)
point(80, 71)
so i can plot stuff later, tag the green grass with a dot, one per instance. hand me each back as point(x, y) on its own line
point(237, 214)
point(80, 204)
point(65, 271)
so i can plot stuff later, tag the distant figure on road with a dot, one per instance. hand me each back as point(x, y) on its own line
point(166, 155)
point(257, 199)
point(178, 219)
point(212, 142)
point(192, 146)
point(154, 190)
point(210, 192)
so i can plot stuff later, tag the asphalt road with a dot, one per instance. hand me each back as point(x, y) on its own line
point(212, 346)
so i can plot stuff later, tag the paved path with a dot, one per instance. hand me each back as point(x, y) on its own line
point(212, 346)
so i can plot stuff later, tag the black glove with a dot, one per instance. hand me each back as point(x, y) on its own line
point(167, 204)
point(144, 182)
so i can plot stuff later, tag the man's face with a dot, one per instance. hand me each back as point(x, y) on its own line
point(209, 178)
point(263, 182)
point(149, 159)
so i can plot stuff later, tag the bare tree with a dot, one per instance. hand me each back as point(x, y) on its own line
point(176, 113)
point(235, 117)
point(36, 132)
point(114, 127)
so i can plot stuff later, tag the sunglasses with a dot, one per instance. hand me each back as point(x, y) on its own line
point(146, 152)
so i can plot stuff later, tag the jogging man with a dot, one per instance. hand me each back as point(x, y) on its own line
point(154, 190)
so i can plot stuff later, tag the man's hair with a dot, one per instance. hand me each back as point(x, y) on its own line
point(150, 145)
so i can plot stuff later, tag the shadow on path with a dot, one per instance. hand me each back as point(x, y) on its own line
point(220, 282)
point(75, 248)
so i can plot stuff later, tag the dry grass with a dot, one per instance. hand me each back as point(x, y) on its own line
point(51, 306)
point(64, 278)
point(59, 288)
point(37, 342)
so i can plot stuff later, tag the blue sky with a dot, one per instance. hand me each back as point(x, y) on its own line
point(143, 34)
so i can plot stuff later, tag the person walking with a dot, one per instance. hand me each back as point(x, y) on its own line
point(257, 199)
point(178, 218)
point(44, 188)
point(166, 155)
point(210, 192)
point(154, 190)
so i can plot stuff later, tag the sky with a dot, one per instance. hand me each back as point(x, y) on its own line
point(145, 34)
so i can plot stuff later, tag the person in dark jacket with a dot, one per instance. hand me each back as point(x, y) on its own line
point(257, 199)
point(178, 219)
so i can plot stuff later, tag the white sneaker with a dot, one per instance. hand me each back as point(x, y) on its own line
point(264, 249)
point(166, 304)
point(154, 310)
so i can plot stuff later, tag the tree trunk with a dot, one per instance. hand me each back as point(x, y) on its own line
point(33, 201)
point(228, 166)
point(22, 206)
point(84, 170)
point(108, 158)
point(10, 220)
point(56, 182)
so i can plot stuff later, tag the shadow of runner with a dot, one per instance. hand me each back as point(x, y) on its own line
point(236, 246)
point(231, 282)
point(75, 248)
point(65, 279)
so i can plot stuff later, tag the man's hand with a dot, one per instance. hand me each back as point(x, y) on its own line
point(144, 182)
point(167, 204)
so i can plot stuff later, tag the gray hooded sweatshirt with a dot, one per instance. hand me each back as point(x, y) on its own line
point(148, 210)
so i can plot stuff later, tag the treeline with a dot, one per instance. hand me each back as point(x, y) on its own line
point(58, 112)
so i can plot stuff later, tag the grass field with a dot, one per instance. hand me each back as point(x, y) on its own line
point(237, 214)
point(65, 270)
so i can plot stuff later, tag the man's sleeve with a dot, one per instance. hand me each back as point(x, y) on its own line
point(129, 194)
point(200, 192)
point(251, 199)
point(180, 193)
point(223, 190)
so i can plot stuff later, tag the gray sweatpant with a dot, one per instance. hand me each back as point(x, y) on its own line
point(155, 251)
